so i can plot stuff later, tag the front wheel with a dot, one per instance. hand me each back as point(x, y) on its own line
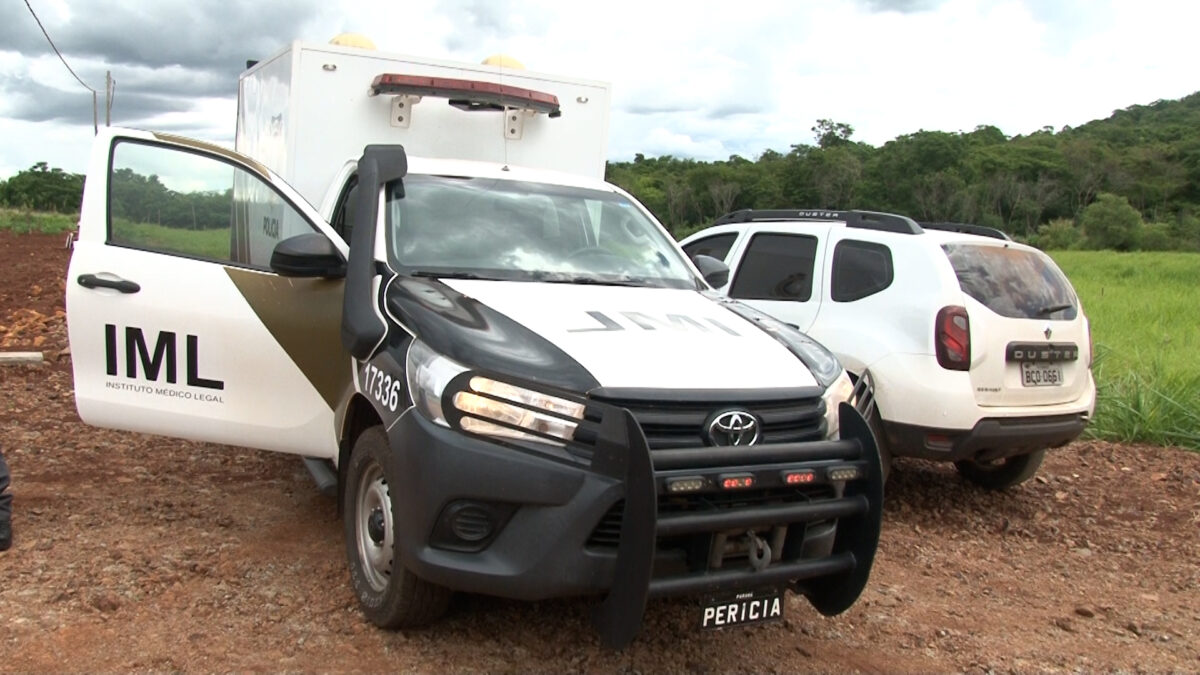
point(1002, 473)
point(390, 596)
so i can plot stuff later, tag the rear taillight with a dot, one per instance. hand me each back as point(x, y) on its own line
point(952, 338)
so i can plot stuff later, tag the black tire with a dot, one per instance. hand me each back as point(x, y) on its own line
point(1003, 473)
point(389, 595)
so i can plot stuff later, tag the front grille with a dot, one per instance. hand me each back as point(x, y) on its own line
point(607, 532)
point(681, 424)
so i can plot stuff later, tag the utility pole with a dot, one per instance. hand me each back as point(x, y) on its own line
point(109, 89)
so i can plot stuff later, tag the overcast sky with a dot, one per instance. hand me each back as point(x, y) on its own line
point(691, 79)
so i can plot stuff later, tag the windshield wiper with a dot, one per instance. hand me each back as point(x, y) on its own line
point(594, 281)
point(446, 274)
point(1050, 309)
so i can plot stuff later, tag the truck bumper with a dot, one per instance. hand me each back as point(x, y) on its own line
point(492, 518)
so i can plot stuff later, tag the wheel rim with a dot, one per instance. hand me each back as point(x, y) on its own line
point(373, 526)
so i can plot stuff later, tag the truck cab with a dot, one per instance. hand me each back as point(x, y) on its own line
point(497, 363)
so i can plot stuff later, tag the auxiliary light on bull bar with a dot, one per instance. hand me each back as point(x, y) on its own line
point(685, 484)
point(798, 477)
point(737, 481)
point(840, 473)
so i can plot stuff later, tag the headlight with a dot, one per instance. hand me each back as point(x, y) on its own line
point(428, 374)
point(488, 406)
point(489, 402)
point(834, 396)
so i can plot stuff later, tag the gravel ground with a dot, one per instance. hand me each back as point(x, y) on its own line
point(141, 552)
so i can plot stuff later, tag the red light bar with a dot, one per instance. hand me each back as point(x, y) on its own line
point(798, 477)
point(467, 94)
point(737, 481)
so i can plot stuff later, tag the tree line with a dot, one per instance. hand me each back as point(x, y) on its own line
point(1131, 181)
point(134, 197)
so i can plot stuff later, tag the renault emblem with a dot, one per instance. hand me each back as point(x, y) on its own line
point(733, 427)
point(1047, 331)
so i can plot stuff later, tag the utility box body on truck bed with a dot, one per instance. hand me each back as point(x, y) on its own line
point(307, 109)
point(495, 362)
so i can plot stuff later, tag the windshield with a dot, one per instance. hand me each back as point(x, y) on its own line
point(1013, 282)
point(501, 229)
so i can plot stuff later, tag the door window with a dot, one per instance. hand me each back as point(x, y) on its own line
point(717, 246)
point(860, 269)
point(776, 267)
point(169, 200)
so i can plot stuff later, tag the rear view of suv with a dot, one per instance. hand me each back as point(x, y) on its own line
point(974, 348)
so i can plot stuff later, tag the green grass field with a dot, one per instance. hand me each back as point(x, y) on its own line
point(212, 243)
point(1146, 329)
point(33, 221)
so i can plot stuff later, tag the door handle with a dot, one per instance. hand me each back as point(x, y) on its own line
point(122, 285)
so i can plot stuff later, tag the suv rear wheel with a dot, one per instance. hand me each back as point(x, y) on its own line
point(1001, 473)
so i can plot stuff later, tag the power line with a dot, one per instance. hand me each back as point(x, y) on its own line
point(55, 48)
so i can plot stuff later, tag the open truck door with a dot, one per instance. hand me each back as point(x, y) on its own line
point(204, 299)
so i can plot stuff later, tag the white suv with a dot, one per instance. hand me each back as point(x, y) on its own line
point(975, 347)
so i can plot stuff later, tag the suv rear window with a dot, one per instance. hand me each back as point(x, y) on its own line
point(1014, 283)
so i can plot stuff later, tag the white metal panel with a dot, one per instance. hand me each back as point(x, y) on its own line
point(264, 97)
point(332, 117)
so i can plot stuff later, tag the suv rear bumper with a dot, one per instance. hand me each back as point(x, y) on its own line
point(545, 509)
point(991, 438)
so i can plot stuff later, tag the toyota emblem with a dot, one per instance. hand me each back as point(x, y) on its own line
point(733, 427)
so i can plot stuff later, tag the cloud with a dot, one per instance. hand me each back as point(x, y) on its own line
point(475, 22)
point(902, 6)
point(164, 57)
point(184, 33)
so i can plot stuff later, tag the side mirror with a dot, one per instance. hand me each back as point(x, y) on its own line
point(308, 255)
point(715, 272)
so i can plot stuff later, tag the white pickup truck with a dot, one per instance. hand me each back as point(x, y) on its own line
point(491, 352)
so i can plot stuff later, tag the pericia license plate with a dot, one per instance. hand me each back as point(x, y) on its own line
point(744, 608)
point(1041, 375)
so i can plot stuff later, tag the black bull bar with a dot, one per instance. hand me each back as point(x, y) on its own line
point(621, 452)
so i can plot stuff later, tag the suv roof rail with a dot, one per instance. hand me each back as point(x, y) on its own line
point(867, 220)
point(966, 228)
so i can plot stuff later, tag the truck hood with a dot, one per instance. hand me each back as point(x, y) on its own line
point(644, 337)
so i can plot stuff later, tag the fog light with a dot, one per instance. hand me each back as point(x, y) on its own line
point(471, 523)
